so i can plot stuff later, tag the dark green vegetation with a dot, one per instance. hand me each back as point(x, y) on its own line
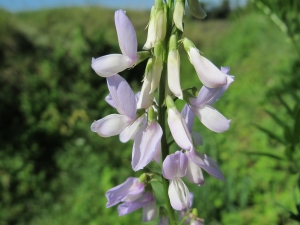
point(54, 170)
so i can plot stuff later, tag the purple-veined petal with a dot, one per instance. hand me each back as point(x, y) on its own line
point(220, 91)
point(126, 35)
point(194, 173)
point(150, 211)
point(122, 95)
point(179, 194)
point(130, 131)
point(131, 187)
point(179, 129)
point(175, 165)
point(174, 73)
point(206, 163)
point(204, 95)
point(197, 138)
point(111, 125)
point(129, 207)
point(145, 145)
point(211, 118)
point(207, 72)
point(188, 116)
point(109, 65)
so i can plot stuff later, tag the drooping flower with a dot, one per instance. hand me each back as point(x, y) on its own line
point(174, 167)
point(201, 106)
point(133, 196)
point(178, 126)
point(126, 122)
point(109, 65)
point(207, 72)
point(174, 68)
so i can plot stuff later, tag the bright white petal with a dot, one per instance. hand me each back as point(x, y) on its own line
point(179, 129)
point(110, 125)
point(211, 118)
point(110, 65)
point(174, 73)
point(179, 194)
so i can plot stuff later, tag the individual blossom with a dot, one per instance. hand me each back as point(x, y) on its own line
point(109, 65)
point(201, 106)
point(132, 196)
point(178, 126)
point(146, 143)
point(174, 68)
point(174, 167)
point(207, 72)
point(126, 122)
point(157, 25)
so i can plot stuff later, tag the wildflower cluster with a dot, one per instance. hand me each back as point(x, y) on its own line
point(142, 118)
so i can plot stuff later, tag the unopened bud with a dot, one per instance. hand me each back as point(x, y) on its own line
point(178, 14)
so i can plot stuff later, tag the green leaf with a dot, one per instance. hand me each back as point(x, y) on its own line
point(271, 134)
point(265, 154)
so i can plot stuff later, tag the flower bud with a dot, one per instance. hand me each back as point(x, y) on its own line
point(178, 14)
point(174, 68)
point(196, 9)
point(157, 25)
point(157, 66)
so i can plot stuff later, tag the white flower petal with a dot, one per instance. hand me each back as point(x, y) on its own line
point(112, 64)
point(110, 125)
point(211, 118)
point(179, 194)
point(207, 72)
point(129, 132)
point(174, 73)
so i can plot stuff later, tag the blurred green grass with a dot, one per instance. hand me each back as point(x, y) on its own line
point(54, 170)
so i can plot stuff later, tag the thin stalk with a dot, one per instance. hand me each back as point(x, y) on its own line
point(162, 109)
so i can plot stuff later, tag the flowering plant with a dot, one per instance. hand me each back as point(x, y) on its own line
point(144, 119)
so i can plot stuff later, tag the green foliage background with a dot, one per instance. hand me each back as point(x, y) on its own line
point(54, 170)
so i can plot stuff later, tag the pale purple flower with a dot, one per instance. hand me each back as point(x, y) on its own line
point(125, 123)
point(174, 167)
point(128, 191)
point(146, 144)
point(109, 65)
point(131, 194)
point(146, 201)
point(201, 106)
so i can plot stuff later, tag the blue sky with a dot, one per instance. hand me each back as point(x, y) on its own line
point(24, 5)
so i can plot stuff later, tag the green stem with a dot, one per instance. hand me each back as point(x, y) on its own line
point(162, 109)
